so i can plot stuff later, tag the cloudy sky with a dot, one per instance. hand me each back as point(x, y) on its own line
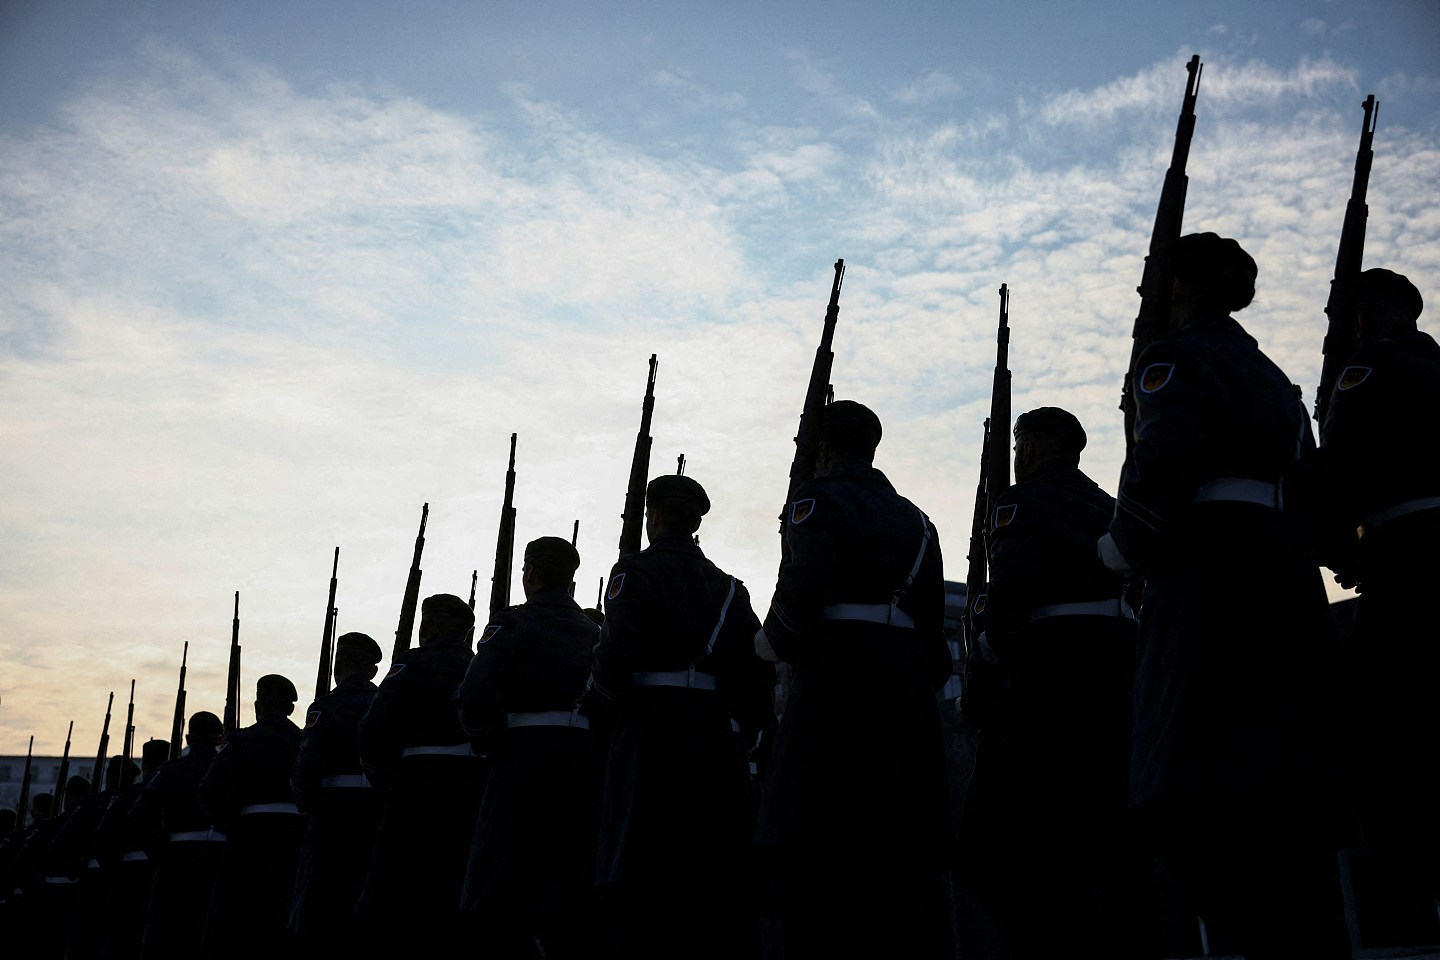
point(274, 275)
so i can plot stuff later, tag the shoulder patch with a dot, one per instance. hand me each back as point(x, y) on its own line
point(1005, 515)
point(395, 668)
point(311, 718)
point(1156, 376)
point(1352, 377)
point(978, 607)
point(617, 583)
point(491, 629)
point(801, 509)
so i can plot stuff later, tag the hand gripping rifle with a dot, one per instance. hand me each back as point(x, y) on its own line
point(1341, 307)
point(232, 677)
point(817, 394)
point(412, 591)
point(103, 750)
point(505, 541)
point(327, 638)
point(177, 722)
point(63, 776)
point(1158, 281)
point(632, 520)
point(22, 808)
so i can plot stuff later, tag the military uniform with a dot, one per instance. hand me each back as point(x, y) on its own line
point(675, 676)
point(342, 813)
point(247, 793)
point(1236, 670)
point(1376, 479)
point(1045, 812)
point(122, 850)
point(531, 867)
point(853, 816)
point(180, 838)
point(414, 750)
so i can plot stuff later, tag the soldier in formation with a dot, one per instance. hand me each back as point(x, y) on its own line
point(530, 878)
point(854, 824)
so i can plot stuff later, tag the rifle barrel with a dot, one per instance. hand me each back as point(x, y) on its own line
point(177, 722)
point(104, 748)
point(505, 541)
point(412, 591)
point(232, 676)
point(633, 516)
point(327, 639)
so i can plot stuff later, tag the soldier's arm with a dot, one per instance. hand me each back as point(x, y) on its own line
point(477, 699)
point(380, 732)
point(799, 601)
point(613, 670)
point(219, 787)
point(746, 682)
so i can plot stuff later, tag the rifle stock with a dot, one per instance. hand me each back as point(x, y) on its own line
point(63, 776)
point(177, 721)
point(633, 518)
point(1341, 306)
point(505, 541)
point(412, 591)
point(22, 809)
point(232, 676)
point(1158, 279)
point(327, 639)
point(817, 394)
point(103, 750)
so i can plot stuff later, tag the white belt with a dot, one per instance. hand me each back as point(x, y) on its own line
point(133, 856)
point(270, 808)
point(92, 864)
point(547, 718)
point(691, 679)
point(1087, 608)
point(734, 725)
point(61, 880)
point(885, 613)
point(1400, 509)
point(452, 750)
point(210, 834)
point(1236, 490)
point(347, 780)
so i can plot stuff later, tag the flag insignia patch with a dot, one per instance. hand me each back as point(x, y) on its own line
point(1005, 515)
point(801, 509)
point(1352, 377)
point(979, 607)
point(311, 718)
point(490, 631)
point(617, 583)
point(1156, 376)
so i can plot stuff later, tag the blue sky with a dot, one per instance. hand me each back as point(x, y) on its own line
point(275, 274)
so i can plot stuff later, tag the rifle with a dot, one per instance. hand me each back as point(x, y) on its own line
point(574, 542)
point(177, 723)
point(232, 677)
point(976, 574)
point(680, 465)
point(327, 639)
point(127, 749)
point(22, 808)
point(633, 517)
point(104, 748)
point(63, 776)
point(1158, 280)
point(474, 579)
point(505, 541)
point(807, 435)
point(1341, 307)
point(412, 592)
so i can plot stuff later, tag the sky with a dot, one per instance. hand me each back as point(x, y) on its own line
point(273, 275)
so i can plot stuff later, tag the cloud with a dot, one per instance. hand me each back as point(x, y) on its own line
point(935, 85)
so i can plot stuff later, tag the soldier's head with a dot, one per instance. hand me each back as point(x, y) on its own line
point(1046, 437)
point(41, 806)
point(550, 564)
point(445, 618)
point(275, 696)
point(1387, 303)
point(849, 431)
point(674, 505)
point(76, 789)
point(118, 773)
point(1212, 273)
point(152, 755)
point(205, 730)
point(356, 655)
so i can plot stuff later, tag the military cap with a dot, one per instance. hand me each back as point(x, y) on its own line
point(1394, 289)
point(155, 751)
point(273, 687)
point(361, 646)
point(204, 724)
point(679, 490)
point(446, 605)
point(1061, 424)
point(851, 424)
point(1219, 266)
point(552, 553)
